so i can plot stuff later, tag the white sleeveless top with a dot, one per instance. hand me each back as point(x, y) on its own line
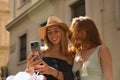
point(91, 69)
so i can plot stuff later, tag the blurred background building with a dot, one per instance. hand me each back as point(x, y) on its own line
point(4, 34)
point(28, 15)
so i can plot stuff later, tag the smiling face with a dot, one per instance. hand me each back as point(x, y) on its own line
point(54, 34)
point(57, 36)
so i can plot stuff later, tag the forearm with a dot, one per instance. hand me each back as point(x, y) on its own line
point(108, 76)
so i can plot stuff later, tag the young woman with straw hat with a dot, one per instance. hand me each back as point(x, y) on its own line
point(56, 60)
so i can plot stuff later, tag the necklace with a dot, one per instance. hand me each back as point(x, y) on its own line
point(82, 55)
point(86, 54)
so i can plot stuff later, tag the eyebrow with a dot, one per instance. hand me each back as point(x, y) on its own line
point(57, 28)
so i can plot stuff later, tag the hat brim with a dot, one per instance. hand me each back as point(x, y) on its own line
point(42, 30)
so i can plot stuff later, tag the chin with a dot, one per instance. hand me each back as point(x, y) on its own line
point(55, 43)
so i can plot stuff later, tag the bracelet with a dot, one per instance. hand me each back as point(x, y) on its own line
point(57, 74)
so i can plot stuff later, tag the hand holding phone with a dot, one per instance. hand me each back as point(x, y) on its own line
point(35, 46)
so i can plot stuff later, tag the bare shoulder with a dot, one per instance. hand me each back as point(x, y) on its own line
point(104, 51)
point(103, 48)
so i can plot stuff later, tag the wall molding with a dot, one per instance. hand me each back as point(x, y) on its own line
point(117, 14)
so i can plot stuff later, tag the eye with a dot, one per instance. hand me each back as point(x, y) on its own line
point(57, 30)
point(49, 32)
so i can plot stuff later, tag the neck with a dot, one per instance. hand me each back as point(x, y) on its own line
point(55, 50)
point(86, 47)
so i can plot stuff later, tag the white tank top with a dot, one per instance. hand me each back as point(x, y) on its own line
point(91, 69)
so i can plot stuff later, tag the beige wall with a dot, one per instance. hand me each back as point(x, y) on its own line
point(17, 8)
point(29, 25)
point(4, 35)
point(105, 16)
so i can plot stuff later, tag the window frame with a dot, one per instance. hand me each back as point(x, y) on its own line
point(22, 3)
point(23, 48)
point(77, 5)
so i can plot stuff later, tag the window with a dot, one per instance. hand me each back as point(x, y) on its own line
point(23, 41)
point(78, 9)
point(22, 1)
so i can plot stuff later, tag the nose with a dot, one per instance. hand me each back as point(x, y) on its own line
point(53, 33)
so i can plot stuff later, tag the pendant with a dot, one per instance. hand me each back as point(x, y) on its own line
point(78, 58)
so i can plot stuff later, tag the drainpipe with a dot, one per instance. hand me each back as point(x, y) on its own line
point(102, 18)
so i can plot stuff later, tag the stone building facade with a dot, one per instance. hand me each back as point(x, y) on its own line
point(4, 34)
point(28, 15)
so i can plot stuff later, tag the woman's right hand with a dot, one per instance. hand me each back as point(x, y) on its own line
point(31, 62)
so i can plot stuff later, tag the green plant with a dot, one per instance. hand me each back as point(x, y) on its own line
point(4, 72)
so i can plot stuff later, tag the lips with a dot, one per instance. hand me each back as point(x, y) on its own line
point(54, 39)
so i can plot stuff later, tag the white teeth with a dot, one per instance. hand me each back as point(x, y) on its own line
point(54, 38)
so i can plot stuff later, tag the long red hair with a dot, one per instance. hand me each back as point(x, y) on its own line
point(88, 25)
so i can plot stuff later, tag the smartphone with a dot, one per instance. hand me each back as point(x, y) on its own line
point(35, 46)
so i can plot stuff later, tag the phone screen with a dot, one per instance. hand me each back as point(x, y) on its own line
point(35, 46)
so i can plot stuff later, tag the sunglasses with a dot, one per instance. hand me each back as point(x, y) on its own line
point(77, 75)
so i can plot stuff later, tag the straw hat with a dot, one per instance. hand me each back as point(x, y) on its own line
point(53, 20)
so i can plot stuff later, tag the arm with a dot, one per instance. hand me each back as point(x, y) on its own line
point(57, 74)
point(31, 63)
point(46, 69)
point(106, 63)
point(65, 75)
